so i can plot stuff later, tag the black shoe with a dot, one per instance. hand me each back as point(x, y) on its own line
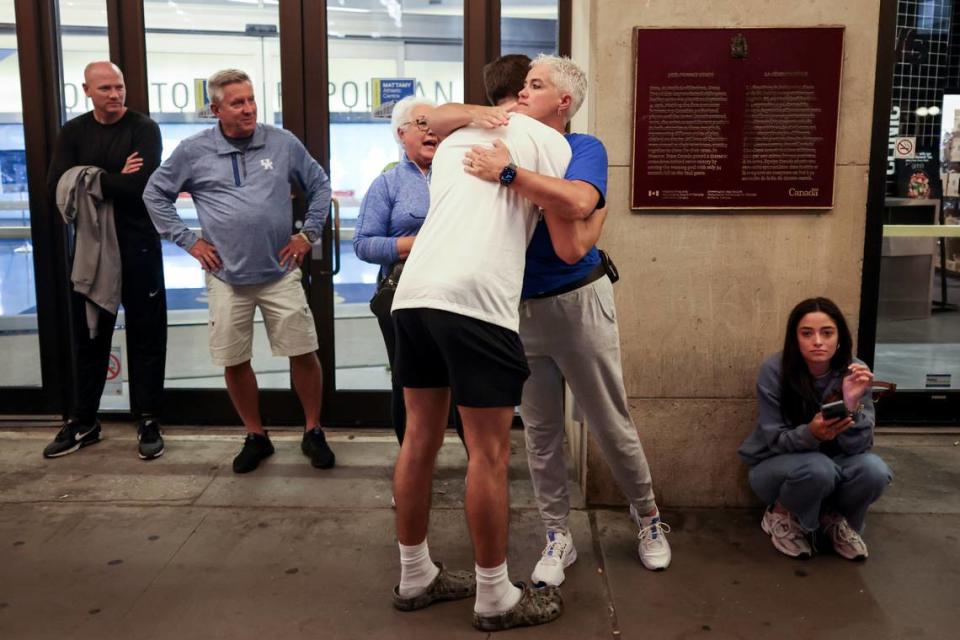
point(72, 436)
point(255, 449)
point(149, 439)
point(314, 446)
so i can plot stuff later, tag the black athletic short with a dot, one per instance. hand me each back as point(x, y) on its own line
point(482, 363)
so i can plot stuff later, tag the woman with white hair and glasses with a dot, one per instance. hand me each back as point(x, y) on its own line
point(391, 214)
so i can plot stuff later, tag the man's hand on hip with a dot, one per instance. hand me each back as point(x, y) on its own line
point(133, 164)
point(206, 254)
point(294, 252)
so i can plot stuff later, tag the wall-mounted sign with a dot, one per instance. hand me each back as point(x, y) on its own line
point(387, 92)
point(736, 118)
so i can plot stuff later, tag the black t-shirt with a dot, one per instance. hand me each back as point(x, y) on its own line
point(84, 141)
point(240, 143)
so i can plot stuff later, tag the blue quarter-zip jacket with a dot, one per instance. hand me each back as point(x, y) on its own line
point(242, 198)
point(395, 205)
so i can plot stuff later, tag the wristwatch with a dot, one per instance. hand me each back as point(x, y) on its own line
point(508, 174)
point(309, 235)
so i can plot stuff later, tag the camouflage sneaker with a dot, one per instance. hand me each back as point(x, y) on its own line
point(448, 585)
point(536, 606)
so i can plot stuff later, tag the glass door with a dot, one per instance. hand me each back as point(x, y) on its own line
point(369, 43)
point(915, 274)
point(19, 336)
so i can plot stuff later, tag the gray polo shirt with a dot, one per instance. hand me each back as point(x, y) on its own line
point(242, 198)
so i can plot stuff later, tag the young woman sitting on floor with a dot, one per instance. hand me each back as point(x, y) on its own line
point(814, 472)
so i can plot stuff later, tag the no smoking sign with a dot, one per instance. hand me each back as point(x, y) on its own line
point(113, 367)
point(905, 148)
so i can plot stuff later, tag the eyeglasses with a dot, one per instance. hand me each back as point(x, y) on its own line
point(421, 123)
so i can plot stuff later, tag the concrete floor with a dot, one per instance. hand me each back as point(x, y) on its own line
point(101, 545)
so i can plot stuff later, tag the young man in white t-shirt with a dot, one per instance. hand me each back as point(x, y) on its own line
point(456, 318)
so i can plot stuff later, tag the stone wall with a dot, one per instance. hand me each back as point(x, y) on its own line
point(704, 297)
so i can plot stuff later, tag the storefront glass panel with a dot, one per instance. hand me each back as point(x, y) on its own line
point(529, 26)
point(918, 324)
point(368, 41)
point(19, 340)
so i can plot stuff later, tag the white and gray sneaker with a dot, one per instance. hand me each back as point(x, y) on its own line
point(846, 542)
point(654, 549)
point(786, 534)
point(557, 556)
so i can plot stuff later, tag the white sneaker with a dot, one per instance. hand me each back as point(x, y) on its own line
point(786, 534)
point(654, 549)
point(557, 556)
point(846, 541)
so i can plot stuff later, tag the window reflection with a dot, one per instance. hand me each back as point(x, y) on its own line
point(369, 40)
point(19, 341)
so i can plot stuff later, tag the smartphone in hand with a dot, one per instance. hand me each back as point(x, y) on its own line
point(834, 410)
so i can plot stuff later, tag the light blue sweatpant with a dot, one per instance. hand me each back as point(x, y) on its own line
point(810, 483)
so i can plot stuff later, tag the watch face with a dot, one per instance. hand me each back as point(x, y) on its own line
point(508, 174)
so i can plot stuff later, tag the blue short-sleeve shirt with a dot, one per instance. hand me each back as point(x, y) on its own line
point(545, 271)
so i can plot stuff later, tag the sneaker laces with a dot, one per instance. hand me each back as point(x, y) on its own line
point(149, 431)
point(783, 528)
point(653, 532)
point(555, 548)
point(842, 531)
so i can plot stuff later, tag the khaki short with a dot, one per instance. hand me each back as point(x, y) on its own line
point(286, 315)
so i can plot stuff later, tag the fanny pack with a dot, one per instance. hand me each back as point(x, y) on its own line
point(382, 298)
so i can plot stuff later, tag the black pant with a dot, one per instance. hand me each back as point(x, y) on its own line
point(145, 312)
point(398, 410)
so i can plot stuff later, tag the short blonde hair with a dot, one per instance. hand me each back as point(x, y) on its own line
point(222, 78)
point(401, 112)
point(567, 76)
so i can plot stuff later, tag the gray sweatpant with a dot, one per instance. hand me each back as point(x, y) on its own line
point(574, 336)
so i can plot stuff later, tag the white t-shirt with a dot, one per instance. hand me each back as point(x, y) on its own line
point(469, 255)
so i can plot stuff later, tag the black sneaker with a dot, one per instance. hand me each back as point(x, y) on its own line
point(314, 446)
point(72, 436)
point(255, 449)
point(149, 439)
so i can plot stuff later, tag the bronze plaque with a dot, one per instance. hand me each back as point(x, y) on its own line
point(736, 118)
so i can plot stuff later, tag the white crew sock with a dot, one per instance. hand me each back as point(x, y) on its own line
point(417, 570)
point(646, 521)
point(495, 592)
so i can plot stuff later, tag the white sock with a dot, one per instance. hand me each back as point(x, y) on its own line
point(495, 592)
point(646, 521)
point(417, 570)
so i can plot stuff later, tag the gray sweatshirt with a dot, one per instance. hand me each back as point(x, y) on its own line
point(774, 436)
point(96, 273)
point(242, 198)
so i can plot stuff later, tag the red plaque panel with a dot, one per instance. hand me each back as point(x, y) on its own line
point(736, 118)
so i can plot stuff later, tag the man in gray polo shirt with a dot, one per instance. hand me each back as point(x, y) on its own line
point(239, 174)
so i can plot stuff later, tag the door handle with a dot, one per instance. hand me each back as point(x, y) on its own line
point(336, 239)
